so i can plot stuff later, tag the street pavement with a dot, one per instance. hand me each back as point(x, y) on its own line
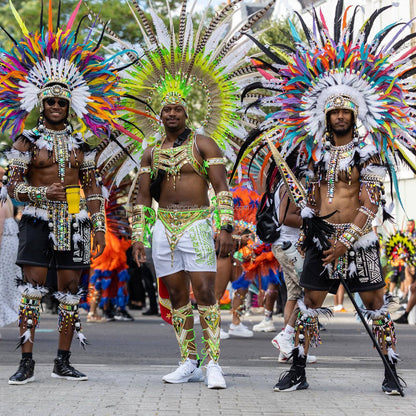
point(125, 362)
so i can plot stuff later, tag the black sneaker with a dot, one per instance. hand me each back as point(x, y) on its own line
point(109, 315)
point(123, 315)
point(389, 385)
point(290, 381)
point(402, 319)
point(63, 369)
point(24, 373)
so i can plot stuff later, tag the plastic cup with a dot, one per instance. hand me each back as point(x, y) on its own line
point(73, 198)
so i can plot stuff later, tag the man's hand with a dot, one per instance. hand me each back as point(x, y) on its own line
point(224, 244)
point(98, 244)
point(333, 253)
point(139, 253)
point(56, 192)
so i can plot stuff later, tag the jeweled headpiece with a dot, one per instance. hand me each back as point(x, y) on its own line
point(341, 102)
point(48, 63)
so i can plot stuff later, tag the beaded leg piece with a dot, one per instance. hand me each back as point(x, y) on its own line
point(383, 329)
point(239, 310)
point(210, 322)
point(68, 315)
point(307, 327)
point(183, 323)
point(29, 309)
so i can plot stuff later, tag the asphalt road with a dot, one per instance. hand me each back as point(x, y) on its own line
point(150, 341)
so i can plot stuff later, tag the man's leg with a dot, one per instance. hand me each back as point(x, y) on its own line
point(384, 332)
point(69, 298)
point(177, 285)
point(237, 328)
point(203, 284)
point(269, 300)
point(306, 333)
point(32, 292)
point(410, 305)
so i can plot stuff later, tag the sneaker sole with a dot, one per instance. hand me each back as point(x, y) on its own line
point(241, 335)
point(264, 330)
point(85, 378)
point(191, 379)
point(299, 386)
point(217, 386)
point(17, 383)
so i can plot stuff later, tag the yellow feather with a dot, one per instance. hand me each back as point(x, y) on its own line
point(19, 19)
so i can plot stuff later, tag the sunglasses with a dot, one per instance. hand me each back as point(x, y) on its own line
point(52, 101)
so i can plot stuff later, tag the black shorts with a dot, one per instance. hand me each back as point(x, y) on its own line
point(398, 275)
point(369, 273)
point(36, 248)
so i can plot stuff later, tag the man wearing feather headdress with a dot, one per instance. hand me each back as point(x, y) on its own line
point(46, 165)
point(182, 166)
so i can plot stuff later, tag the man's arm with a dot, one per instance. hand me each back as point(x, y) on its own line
point(217, 174)
point(143, 215)
point(92, 188)
point(288, 215)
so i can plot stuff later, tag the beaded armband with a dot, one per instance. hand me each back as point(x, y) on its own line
point(370, 214)
point(98, 222)
point(374, 187)
point(35, 193)
point(145, 169)
point(20, 188)
point(225, 208)
point(215, 161)
point(143, 217)
point(98, 197)
point(351, 235)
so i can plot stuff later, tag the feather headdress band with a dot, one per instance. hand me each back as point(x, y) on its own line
point(375, 74)
point(37, 63)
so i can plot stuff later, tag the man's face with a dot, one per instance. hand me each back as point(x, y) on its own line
point(173, 116)
point(55, 110)
point(341, 121)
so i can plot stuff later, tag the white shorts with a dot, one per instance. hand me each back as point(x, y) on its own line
point(195, 251)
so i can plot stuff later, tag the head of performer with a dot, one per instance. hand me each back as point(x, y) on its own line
point(410, 226)
point(55, 99)
point(174, 112)
point(341, 117)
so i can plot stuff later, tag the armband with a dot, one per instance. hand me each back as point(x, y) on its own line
point(37, 193)
point(98, 222)
point(145, 169)
point(142, 219)
point(225, 208)
point(215, 161)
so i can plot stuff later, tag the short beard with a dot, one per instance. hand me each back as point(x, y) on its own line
point(343, 132)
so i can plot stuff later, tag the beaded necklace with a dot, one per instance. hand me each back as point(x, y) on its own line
point(336, 154)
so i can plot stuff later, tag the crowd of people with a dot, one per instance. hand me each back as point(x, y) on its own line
point(310, 235)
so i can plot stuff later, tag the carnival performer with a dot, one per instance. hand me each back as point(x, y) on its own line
point(325, 90)
point(179, 163)
point(46, 167)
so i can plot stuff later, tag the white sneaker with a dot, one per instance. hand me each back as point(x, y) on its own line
point(186, 372)
point(264, 326)
point(240, 330)
point(214, 378)
point(224, 334)
point(310, 359)
point(283, 342)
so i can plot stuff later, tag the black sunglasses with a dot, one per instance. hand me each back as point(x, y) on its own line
point(52, 101)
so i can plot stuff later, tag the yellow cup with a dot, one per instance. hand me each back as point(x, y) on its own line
point(73, 198)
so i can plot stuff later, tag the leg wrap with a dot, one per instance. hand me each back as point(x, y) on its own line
point(383, 329)
point(29, 309)
point(68, 315)
point(307, 326)
point(210, 321)
point(239, 310)
point(183, 323)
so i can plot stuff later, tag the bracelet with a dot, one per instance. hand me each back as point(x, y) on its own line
point(225, 208)
point(143, 217)
point(37, 193)
point(20, 188)
point(98, 222)
point(364, 210)
point(98, 197)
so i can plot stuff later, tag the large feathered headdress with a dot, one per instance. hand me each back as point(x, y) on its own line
point(373, 74)
point(210, 58)
point(54, 63)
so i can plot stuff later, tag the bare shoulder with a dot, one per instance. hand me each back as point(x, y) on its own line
point(147, 156)
point(207, 146)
